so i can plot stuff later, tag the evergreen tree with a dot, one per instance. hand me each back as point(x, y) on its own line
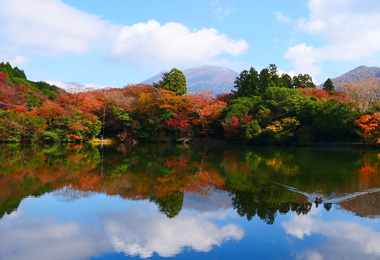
point(174, 80)
point(328, 85)
point(275, 78)
point(265, 80)
point(247, 83)
point(12, 72)
point(273, 70)
point(303, 81)
point(287, 81)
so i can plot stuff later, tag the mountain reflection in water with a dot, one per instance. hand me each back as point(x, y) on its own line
point(160, 200)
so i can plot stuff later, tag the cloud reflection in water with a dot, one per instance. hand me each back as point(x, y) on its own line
point(34, 239)
point(345, 240)
point(138, 231)
point(143, 233)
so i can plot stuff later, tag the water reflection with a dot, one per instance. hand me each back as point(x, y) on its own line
point(343, 240)
point(215, 201)
point(149, 201)
point(259, 182)
point(142, 233)
point(45, 238)
point(136, 231)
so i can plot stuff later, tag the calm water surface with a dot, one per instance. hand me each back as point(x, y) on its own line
point(188, 202)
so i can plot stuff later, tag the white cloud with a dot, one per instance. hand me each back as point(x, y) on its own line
point(140, 233)
point(344, 240)
point(281, 17)
point(304, 59)
point(172, 43)
point(136, 232)
point(290, 73)
point(35, 239)
point(301, 225)
point(312, 26)
point(51, 27)
point(350, 28)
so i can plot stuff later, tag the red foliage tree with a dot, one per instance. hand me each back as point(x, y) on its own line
point(3, 77)
point(180, 121)
point(231, 125)
point(323, 94)
point(206, 107)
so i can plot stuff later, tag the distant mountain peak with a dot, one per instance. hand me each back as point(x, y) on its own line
point(360, 67)
point(357, 75)
point(211, 78)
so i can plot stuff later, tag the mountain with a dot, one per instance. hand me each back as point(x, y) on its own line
point(216, 79)
point(215, 201)
point(356, 75)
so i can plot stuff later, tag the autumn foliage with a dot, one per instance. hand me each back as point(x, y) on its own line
point(134, 112)
point(323, 94)
point(3, 77)
point(370, 127)
point(274, 112)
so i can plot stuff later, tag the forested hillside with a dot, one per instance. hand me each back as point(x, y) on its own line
point(264, 108)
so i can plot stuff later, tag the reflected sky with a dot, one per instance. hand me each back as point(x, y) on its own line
point(142, 233)
point(49, 228)
point(153, 202)
point(134, 229)
point(342, 239)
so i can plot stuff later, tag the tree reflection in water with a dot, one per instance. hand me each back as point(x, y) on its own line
point(170, 205)
point(165, 174)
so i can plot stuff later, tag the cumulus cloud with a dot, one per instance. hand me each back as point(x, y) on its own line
point(141, 233)
point(351, 30)
point(51, 27)
point(35, 239)
point(344, 240)
point(303, 59)
point(172, 43)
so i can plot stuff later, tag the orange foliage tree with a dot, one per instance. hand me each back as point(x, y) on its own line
point(370, 126)
point(369, 172)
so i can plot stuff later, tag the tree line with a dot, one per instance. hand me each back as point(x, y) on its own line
point(264, 108)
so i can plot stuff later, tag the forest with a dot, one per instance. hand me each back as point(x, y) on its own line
point(264, 108)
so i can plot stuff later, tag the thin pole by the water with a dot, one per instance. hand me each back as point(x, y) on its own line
point(104, 119)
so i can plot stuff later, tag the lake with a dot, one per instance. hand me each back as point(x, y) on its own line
point(73, 201)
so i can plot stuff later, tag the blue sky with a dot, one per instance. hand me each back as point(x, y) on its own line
point(120, 42)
